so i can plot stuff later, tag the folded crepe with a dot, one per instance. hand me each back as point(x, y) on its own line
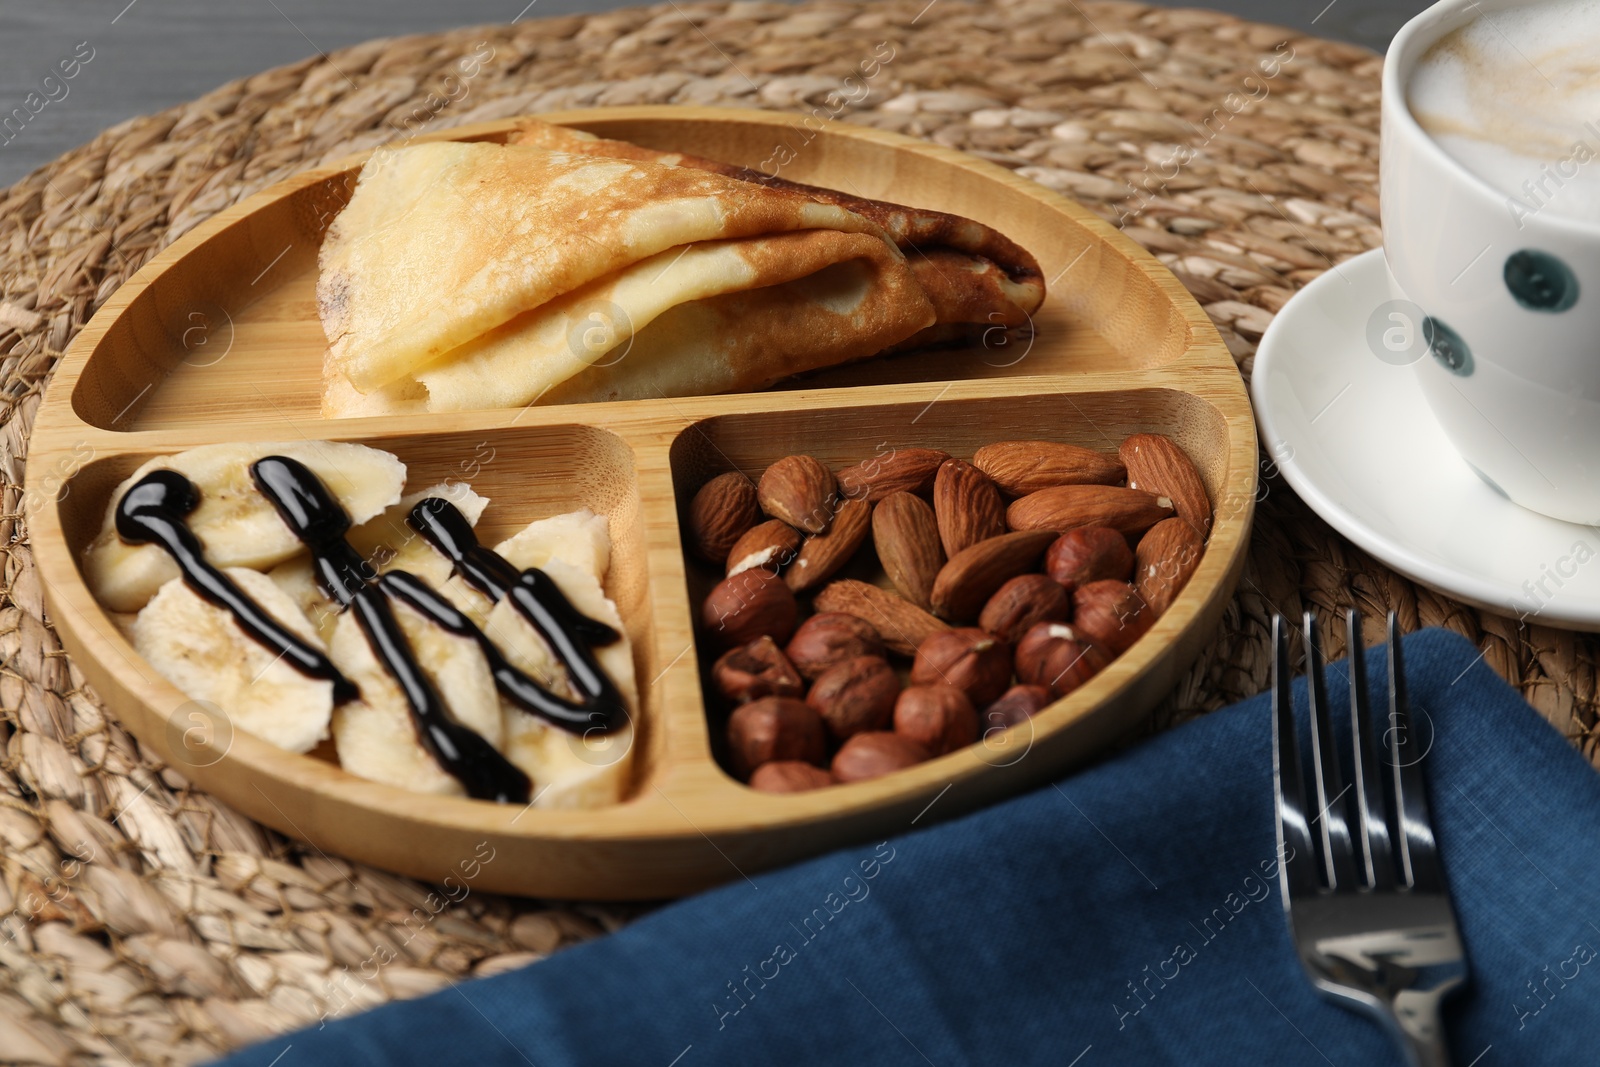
point(474, 275)
point(971, 272)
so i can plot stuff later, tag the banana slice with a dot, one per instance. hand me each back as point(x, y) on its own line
point(389, 544)
point(201, 649)
point(297, 581)
point(568, 771)
point(235, 523)
point(581, 538)
point(394, 545)
point(374, 735)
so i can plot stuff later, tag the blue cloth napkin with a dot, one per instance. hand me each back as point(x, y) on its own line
point(1128, 914)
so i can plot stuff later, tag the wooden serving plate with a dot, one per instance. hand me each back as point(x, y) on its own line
point(217, 339)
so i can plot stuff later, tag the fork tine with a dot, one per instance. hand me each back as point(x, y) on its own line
point(1419, 856)
point(1296, 870)
point(1374, 855)
point(1332, 823)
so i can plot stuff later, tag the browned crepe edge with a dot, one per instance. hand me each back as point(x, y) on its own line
point(914, 230)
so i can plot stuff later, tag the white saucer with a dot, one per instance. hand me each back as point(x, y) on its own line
point(1354, 437)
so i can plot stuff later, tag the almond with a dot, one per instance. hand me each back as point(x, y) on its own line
point(974, 575)
point(800, 491)
point(771, 546)
point(823, 554)
point(1166, 558)
point(1023, 467)
point(967, 505)
point(720, 513)
point(905, 470)
point(1157, 465)
point(1067, 507)
point(906, 535)
point(902, 625)
point(1023, 601)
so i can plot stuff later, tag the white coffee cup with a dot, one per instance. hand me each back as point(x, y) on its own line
point(1515, 387)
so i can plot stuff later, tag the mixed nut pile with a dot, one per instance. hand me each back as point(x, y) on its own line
point(1015, 578)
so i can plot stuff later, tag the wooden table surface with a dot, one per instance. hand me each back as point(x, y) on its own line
point(150, 54)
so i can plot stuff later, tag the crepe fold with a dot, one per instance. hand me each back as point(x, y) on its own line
point(475, 275)
point(972, 273)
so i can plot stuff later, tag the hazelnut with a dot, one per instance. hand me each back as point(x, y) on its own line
point(1112, 614)
point(749, 605)
point(875, 753)
point(831, 637)
point(1023, 601)
point(1019, 704)
point(855, 695)
point(1089, 554)
point(974, 661)
point(720, 513)
point(759, 669)
point(774, 728)
point(940, 718)
point(1055, 657)
point(789, 776)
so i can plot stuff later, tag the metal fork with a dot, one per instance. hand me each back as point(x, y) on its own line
point(1362, 883)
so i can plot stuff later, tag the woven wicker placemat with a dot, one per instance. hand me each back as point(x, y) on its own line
point(148, 923)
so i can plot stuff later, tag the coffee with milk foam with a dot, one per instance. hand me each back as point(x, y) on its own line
point(1514, 97)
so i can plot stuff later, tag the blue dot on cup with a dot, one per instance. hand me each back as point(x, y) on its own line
point(1447, 347)
point(1540, 282)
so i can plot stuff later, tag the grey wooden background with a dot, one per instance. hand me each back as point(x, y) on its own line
point(151, 54)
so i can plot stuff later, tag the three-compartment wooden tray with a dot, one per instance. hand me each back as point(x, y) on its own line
point(217, 339)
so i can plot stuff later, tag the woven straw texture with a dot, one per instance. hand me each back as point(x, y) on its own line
point(146, 923)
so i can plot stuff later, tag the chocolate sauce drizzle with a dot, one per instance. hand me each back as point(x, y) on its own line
point(517, 686)
point(571, 635)
point(308, 509)
point(155, 512)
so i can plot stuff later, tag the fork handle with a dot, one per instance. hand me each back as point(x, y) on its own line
point(1426, 1053)
point(1424, 1037)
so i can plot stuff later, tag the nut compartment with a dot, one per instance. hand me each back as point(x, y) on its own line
point(839, 437)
